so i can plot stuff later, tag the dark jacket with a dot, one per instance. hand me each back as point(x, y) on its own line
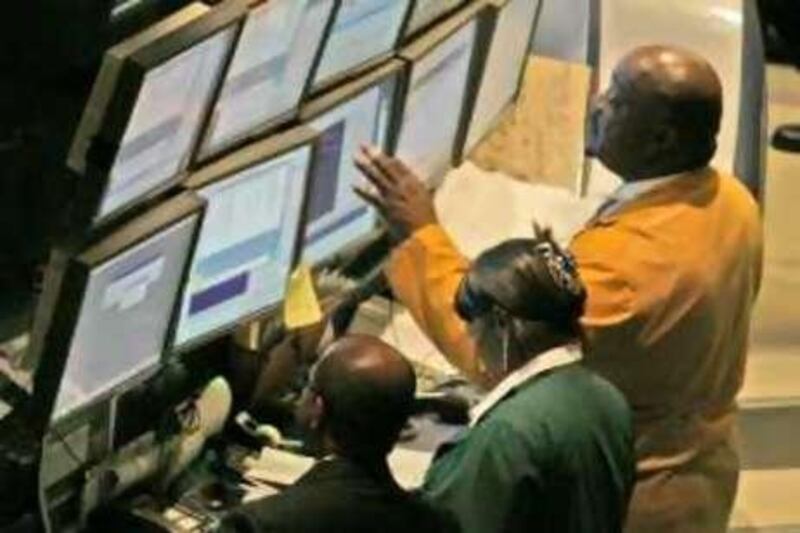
point(337, 496)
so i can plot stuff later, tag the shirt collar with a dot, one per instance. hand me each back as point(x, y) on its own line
point(631, 190)
point(557, 357)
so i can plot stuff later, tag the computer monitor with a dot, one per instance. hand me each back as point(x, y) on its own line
point(504, 68)
point(109, 309)
point(362, 112)
point(425, 12)
point(147, 108)
point(442, 70)
point(270, 70)
point(250, 235)
point(364, 32)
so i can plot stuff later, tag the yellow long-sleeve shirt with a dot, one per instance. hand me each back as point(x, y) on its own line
point(671, 278)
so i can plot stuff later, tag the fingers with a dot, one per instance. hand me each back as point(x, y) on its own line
point(392, 167)
point(370, 198)
point(373, 174)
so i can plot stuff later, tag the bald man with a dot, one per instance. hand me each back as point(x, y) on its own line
point(358, 398)
point(671, 264)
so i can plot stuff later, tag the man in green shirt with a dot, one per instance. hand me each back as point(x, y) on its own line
point(551, 446)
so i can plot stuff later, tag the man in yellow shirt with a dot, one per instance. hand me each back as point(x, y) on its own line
point(671, 265)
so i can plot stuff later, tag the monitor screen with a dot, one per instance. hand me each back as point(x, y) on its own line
point(362, 31)
point(124, 317)
point(269, 70)
point(507, 58)
point(165, 122)
point(438, 89)
point(426, 11)
point(336, 217)
point(246, 246)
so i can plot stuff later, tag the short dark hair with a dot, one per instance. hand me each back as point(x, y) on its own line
point(364, 414)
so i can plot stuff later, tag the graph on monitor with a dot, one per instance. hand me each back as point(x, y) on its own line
point(246, 247)
point(336, 217)
point(504, 67)
point(269, 71)
point(437, 88)
point(363, 30)
point(147, 108)
point(124, 317)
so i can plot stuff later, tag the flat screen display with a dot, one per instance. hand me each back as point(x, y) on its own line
point(124, 317)
point(269, 70)
point(437, 89)
point(362, 31)
point(246, 246)
point(426, 11)
point(506, 60)
point(165, 122)
point(336, 217)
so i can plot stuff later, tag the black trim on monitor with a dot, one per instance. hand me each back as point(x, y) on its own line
point(229, 167)
point(270, 125)
point(114, 97)
point(480, 12)
point(63, 297)
point(393, 69)
point(462, 150)
point(354, 72)
point(408, 35)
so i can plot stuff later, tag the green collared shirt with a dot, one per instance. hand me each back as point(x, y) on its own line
point(554, 454)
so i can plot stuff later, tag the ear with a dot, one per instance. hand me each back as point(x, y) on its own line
point(665, 138)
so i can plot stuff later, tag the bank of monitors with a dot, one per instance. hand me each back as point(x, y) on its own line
point(249, 237)
point(504, 67)
point(269, 72)
point(442, 64)
point(364, 32)
point(425, 12)
point(147, 108)
point(362, 112)
point(110, 308)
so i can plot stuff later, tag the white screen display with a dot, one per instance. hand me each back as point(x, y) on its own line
point(501, 77)
point(426, 11)
point(165, 122)
point(336, 216)
point(246, 245)
point(363, 30)
point(434, 105)
point(124, 317)
point(269, 69)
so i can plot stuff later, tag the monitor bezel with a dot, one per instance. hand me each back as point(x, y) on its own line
point(465, 151)
point(113, 99)
point(271, 125)
point(317, 89)
point(481, 13)
point(228, 168)
point(409, 36)
point(394, 68)
point(63, 296)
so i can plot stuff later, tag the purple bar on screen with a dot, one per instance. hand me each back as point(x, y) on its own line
point(219, 293)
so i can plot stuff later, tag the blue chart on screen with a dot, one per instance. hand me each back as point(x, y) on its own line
point(363, 30)
point(246, 245)
point(269, 70)
point(161, 131)
point(336, 216)
point(124, 317)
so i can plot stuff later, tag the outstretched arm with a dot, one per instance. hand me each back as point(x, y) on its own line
point(425, 268)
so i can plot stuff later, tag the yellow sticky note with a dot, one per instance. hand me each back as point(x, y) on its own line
point(301, 307)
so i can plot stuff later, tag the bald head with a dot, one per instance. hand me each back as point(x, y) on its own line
point(661, 114)
point(367, 389)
